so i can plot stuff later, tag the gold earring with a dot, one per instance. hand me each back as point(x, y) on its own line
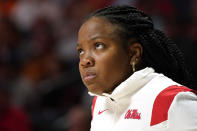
point(133, 66)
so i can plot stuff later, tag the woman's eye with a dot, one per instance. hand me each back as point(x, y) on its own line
point(80, 51)
point(99, 45)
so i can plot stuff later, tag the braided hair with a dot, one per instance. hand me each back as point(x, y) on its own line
point(159, 52)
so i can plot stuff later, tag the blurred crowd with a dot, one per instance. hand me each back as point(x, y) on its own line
point(40, 85)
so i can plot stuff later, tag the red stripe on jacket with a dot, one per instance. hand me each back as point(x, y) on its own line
point(93, 105)
point(163, 101)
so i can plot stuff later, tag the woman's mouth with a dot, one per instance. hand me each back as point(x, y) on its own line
point(88, 76)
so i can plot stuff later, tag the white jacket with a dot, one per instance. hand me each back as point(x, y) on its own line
point(146, 101)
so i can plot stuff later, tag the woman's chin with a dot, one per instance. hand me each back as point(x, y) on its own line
point(95, 91)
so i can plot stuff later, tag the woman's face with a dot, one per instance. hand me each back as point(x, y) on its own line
point(104, 62)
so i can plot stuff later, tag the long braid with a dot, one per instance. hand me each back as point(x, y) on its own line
point(159, 52)
point(163, 55)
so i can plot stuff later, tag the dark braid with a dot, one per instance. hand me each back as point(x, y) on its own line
point(163, 55)
point(159, 52)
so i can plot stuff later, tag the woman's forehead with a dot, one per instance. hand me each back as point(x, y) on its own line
point(97, 24)
point(96, 27)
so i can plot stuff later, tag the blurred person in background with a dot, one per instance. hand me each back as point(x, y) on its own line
point(6, 7)
point(10, 41)
point(35, 54)
point(11, 118)
point(26, 11)
point(78, 119)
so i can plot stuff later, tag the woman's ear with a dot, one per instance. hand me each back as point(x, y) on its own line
point(135, 53)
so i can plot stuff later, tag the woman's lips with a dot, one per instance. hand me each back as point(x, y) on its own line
point(88, 76)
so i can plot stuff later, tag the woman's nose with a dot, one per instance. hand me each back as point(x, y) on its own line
point(87, 62)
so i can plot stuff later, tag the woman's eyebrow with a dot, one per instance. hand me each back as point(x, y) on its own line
point(93, 38)
point(90, 39)
point(98, 37)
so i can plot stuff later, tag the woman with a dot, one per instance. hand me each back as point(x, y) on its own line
point(135, 73)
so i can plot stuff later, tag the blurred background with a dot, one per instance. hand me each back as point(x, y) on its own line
point(40, 86)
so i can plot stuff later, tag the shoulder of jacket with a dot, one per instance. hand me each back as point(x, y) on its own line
point(163, 102)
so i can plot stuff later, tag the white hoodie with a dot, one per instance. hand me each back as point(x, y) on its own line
point(146, 101)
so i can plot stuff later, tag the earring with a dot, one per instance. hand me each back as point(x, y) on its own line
point(133, 66)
